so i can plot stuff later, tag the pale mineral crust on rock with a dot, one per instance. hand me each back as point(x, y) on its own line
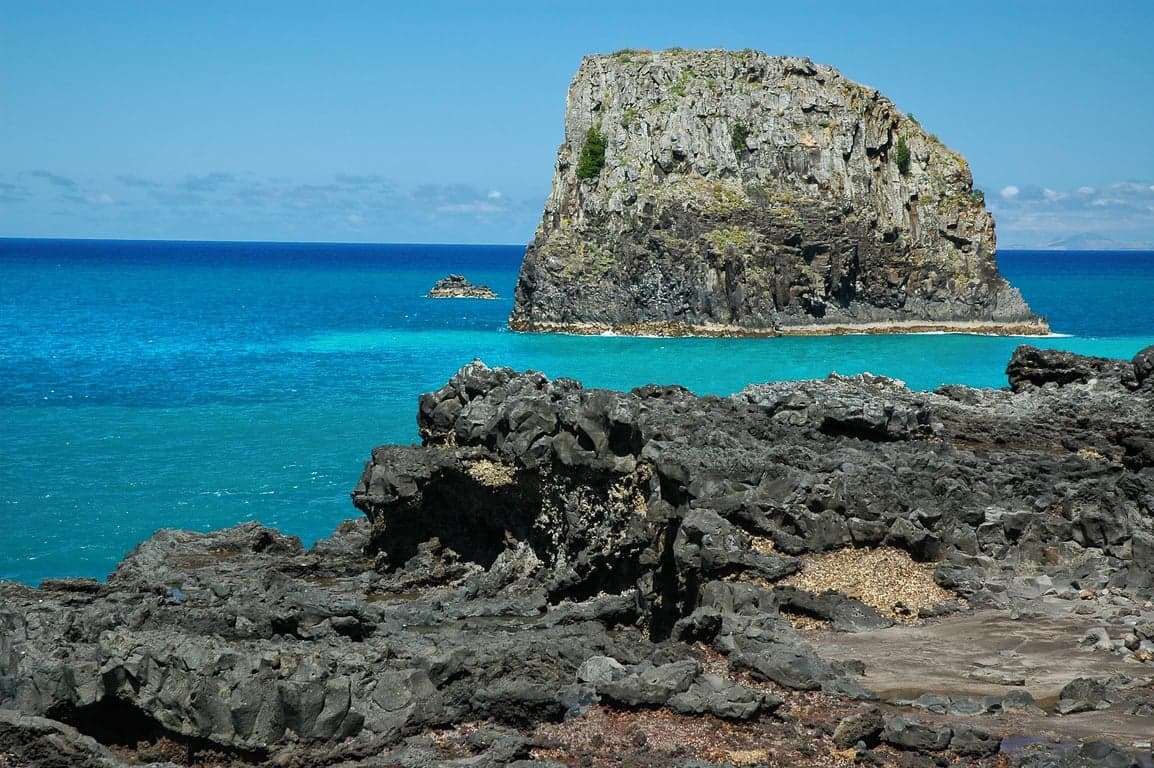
point(744, 194)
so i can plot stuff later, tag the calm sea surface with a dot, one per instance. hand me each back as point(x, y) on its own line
point(148, 385)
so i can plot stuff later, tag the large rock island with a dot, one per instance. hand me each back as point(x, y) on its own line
point(718, 193)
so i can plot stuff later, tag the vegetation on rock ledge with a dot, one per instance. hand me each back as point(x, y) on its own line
point(592, 158)
point(902, 156)
point(738, 135)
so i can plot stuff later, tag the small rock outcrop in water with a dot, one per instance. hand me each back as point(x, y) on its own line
point(718, 193)
point(565, 576)
point(457, 287)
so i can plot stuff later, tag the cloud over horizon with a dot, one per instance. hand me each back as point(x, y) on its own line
point(366, 207)
point(221, 205)
point(1035, 216)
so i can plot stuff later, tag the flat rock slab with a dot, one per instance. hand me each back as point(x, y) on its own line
point(964, 654)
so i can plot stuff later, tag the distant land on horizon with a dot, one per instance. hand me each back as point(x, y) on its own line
point(1082, 241)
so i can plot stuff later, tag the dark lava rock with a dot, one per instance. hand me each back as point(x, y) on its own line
point(845, 614)
point(904, 733)
point(971, 741)
point(1082, 694)
point(1144, 366)
point(44, 743)
point(649, 685)
point(457, 287)
point(550, 547)
point(1102, 754)
point(865, 726)
point(791, 667)
point(848, 686)
point(1038, 367)
point(723, 698)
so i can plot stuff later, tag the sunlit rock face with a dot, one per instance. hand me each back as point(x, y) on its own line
point(745, 194)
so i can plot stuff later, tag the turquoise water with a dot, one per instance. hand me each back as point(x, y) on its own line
point(197, 385)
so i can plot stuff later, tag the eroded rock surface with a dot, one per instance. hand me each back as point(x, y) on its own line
point(734, 193)
point(562, 576)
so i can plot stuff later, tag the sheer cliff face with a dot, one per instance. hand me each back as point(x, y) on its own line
point(743, 193)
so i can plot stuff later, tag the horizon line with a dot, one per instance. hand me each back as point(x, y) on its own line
point(250, 242)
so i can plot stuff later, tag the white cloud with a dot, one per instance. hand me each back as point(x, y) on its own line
point(1031, 216)
point(479, 206)
point(54, 179)
point(218, 205)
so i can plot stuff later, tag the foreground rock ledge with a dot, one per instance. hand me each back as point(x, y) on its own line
point(704, 190)
point(563, 576)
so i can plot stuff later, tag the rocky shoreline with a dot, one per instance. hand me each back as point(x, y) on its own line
point(675, 330)
point(836, 572)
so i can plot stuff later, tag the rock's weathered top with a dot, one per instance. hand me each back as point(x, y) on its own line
point(735, 193)
point(458, 287)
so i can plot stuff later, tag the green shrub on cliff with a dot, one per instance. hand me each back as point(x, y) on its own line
point(737, 137)
point(902, 156)
point(592, 158)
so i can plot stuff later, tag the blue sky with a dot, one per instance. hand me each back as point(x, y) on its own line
point(439, 121)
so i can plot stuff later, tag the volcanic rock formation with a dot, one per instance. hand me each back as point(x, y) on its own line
point(458, 287)
point(570, 576)
point(718, 193)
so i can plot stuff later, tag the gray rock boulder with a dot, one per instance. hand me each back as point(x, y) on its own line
point(1082, 695)
point(845, 614)
point(722, 698)
point(904, 733)
point(793, 667)
point(973, 742)
point(864, 726)
point(44, 743)
point(1031, 366)
point(648, 685)
point(1143, 363)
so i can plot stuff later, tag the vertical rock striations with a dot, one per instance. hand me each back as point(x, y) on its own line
point(718, 193)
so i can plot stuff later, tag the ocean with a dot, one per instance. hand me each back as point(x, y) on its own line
point(148, 385)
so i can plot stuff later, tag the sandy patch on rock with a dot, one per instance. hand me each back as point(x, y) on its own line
point(491, 474)
point(885, 578)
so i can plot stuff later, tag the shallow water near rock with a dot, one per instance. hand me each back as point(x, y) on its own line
point(146, 385)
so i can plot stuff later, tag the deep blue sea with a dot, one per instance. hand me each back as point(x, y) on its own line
point(146, 385)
